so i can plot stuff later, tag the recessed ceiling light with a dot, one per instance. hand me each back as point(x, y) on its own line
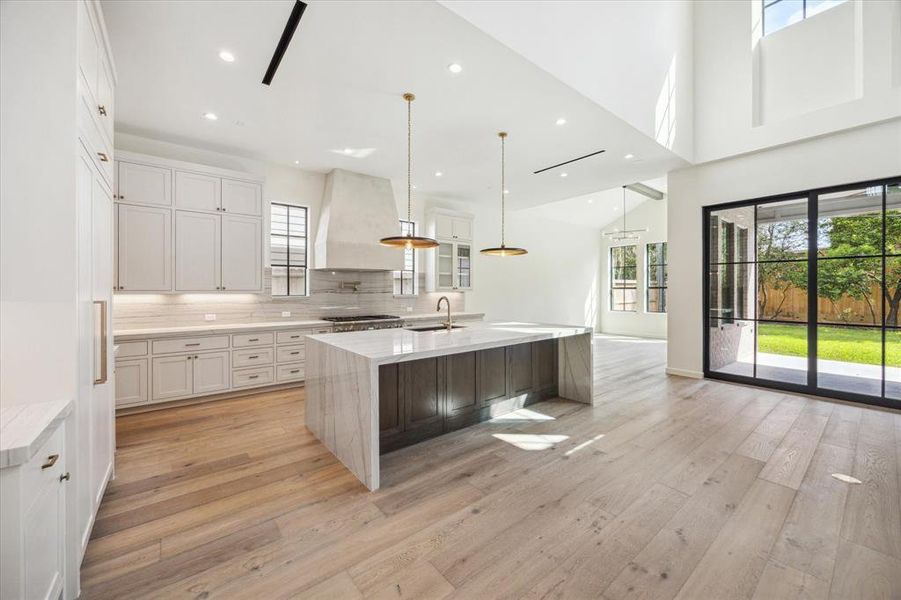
point(414, 187)
point(564, 174)
point(438, 173)
point(629, 156)
point(561, 121)
point(591, 201)
point(210, 116)
point(455, 68)
point(348, 151)
point(506, 191)
point(296, 162)
point(227, 56)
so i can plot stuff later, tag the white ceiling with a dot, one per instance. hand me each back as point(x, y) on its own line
point(600, 210)
point(340, 85)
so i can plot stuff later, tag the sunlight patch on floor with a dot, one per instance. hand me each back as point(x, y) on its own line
point(523, 414)
point(584, 444)
point(531, 441)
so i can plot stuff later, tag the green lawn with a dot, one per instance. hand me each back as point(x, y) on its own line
point(847, 344)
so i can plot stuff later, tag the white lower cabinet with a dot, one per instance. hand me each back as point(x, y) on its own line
point(210, 372)
point(131, 382)
point(172, 377)
point(33, 523)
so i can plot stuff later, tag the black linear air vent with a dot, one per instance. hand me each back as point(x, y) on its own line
point(287, 34)
point(568, 162)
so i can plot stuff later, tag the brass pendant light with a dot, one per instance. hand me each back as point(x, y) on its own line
point(503, 250)
point(409, 241)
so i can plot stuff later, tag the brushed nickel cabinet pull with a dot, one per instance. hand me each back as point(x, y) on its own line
point(51, 460)
point(295, 352)
point(194, 344)
point(102, 110)
point(103, 157)
point(254, 340)
point(253, 377)
point(253, 357)
point(295, 371)
point(294, 337)
point(196, 357)
point(64, 477)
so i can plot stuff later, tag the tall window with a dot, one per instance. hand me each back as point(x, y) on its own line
point(623, 284)
point(405, 280)
point(657, 277)
point(288, 250)
point(778, 14)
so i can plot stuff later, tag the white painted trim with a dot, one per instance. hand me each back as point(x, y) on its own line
point(684, 373)
point(169, 163)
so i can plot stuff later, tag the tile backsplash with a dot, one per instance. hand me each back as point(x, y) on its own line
point(332, 293)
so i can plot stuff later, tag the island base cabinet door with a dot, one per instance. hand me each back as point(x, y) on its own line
point(173, 377)
point(520, 369)
point(242, 253)
point(131, 382)
point(544, 354)
point(210, 372)
point(492, 375)
point(462, 392)
point(423, 393)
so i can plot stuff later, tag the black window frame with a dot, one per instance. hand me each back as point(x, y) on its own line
point(612, 278)
point(406, 228)
point(648, 266)
point(813, 323)
point(288, 237)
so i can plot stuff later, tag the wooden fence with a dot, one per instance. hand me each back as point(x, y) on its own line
point(792, 304)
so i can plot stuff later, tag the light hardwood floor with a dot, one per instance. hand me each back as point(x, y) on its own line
point(670, 488)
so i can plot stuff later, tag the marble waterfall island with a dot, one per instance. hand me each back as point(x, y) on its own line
point(370, 392)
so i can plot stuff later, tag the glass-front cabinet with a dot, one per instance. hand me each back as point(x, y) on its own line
point(450, 267)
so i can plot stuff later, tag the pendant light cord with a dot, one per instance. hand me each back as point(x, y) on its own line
point(409, 99)
point(503, 187)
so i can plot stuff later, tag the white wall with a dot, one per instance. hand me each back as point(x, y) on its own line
point(650, 214)
point(865, 153)
point(632, 57)
point(38, 332)
point(834, 71)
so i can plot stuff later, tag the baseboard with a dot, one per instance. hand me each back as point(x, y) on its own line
point(684, 373)
point(162, 405)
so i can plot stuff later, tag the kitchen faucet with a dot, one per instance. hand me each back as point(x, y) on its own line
point(448, 323)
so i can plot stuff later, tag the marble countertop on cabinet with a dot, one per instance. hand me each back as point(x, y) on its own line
point(124, 335)
point(25, 427)
point(395, 345)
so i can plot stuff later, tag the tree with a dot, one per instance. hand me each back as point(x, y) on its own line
point(783, 241)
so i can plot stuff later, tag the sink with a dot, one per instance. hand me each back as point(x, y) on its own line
point(433, 328)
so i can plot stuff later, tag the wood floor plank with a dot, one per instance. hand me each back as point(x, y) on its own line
point(421, 581)
point(762, 442)
point(809, 538)
point(779, 582)
point(790, 460)
point(338, 586)
point(732, 566)
point(864, 573)
point(872, 513)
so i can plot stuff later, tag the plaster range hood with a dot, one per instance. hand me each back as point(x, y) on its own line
point(357, 211)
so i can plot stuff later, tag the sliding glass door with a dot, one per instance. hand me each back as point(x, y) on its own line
point(803, 292)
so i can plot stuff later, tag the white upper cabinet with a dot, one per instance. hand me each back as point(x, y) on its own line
point(452, 227)
point(144, 184)
point(105, 88)
point(144, 248)
point(242, 253)
point(89, 48)
point(197, 251)
point(197, 192)
point(242, 197)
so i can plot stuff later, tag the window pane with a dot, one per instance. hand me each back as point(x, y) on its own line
point(278, 250)
point(657, 300)
point(850, 223)
point(850, 290)
point(782, 14)
point(782, 230)
point(725, 226)
point(731, 347)
point(892, 296)
point(297, 283)
point(893, 364)
point(817, 6)
point(279, 281)
point(297, 252)
point(731, 291)
point(850, 359)
point(782, 291)
point(893, 219)
point(782, 352)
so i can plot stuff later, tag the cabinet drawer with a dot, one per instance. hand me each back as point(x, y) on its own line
point(190, 344)
point(34, 474)
point(250, 377)
point(252, 357)
point(291, 353)
point(242, 340)
point(290, 372)
point(295, 336)
point(128, 349)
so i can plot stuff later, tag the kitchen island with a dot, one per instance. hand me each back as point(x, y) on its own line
point(369, 392)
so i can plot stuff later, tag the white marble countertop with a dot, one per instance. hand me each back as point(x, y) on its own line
point(25, 427)
point(396, 345)
point(120, 335)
